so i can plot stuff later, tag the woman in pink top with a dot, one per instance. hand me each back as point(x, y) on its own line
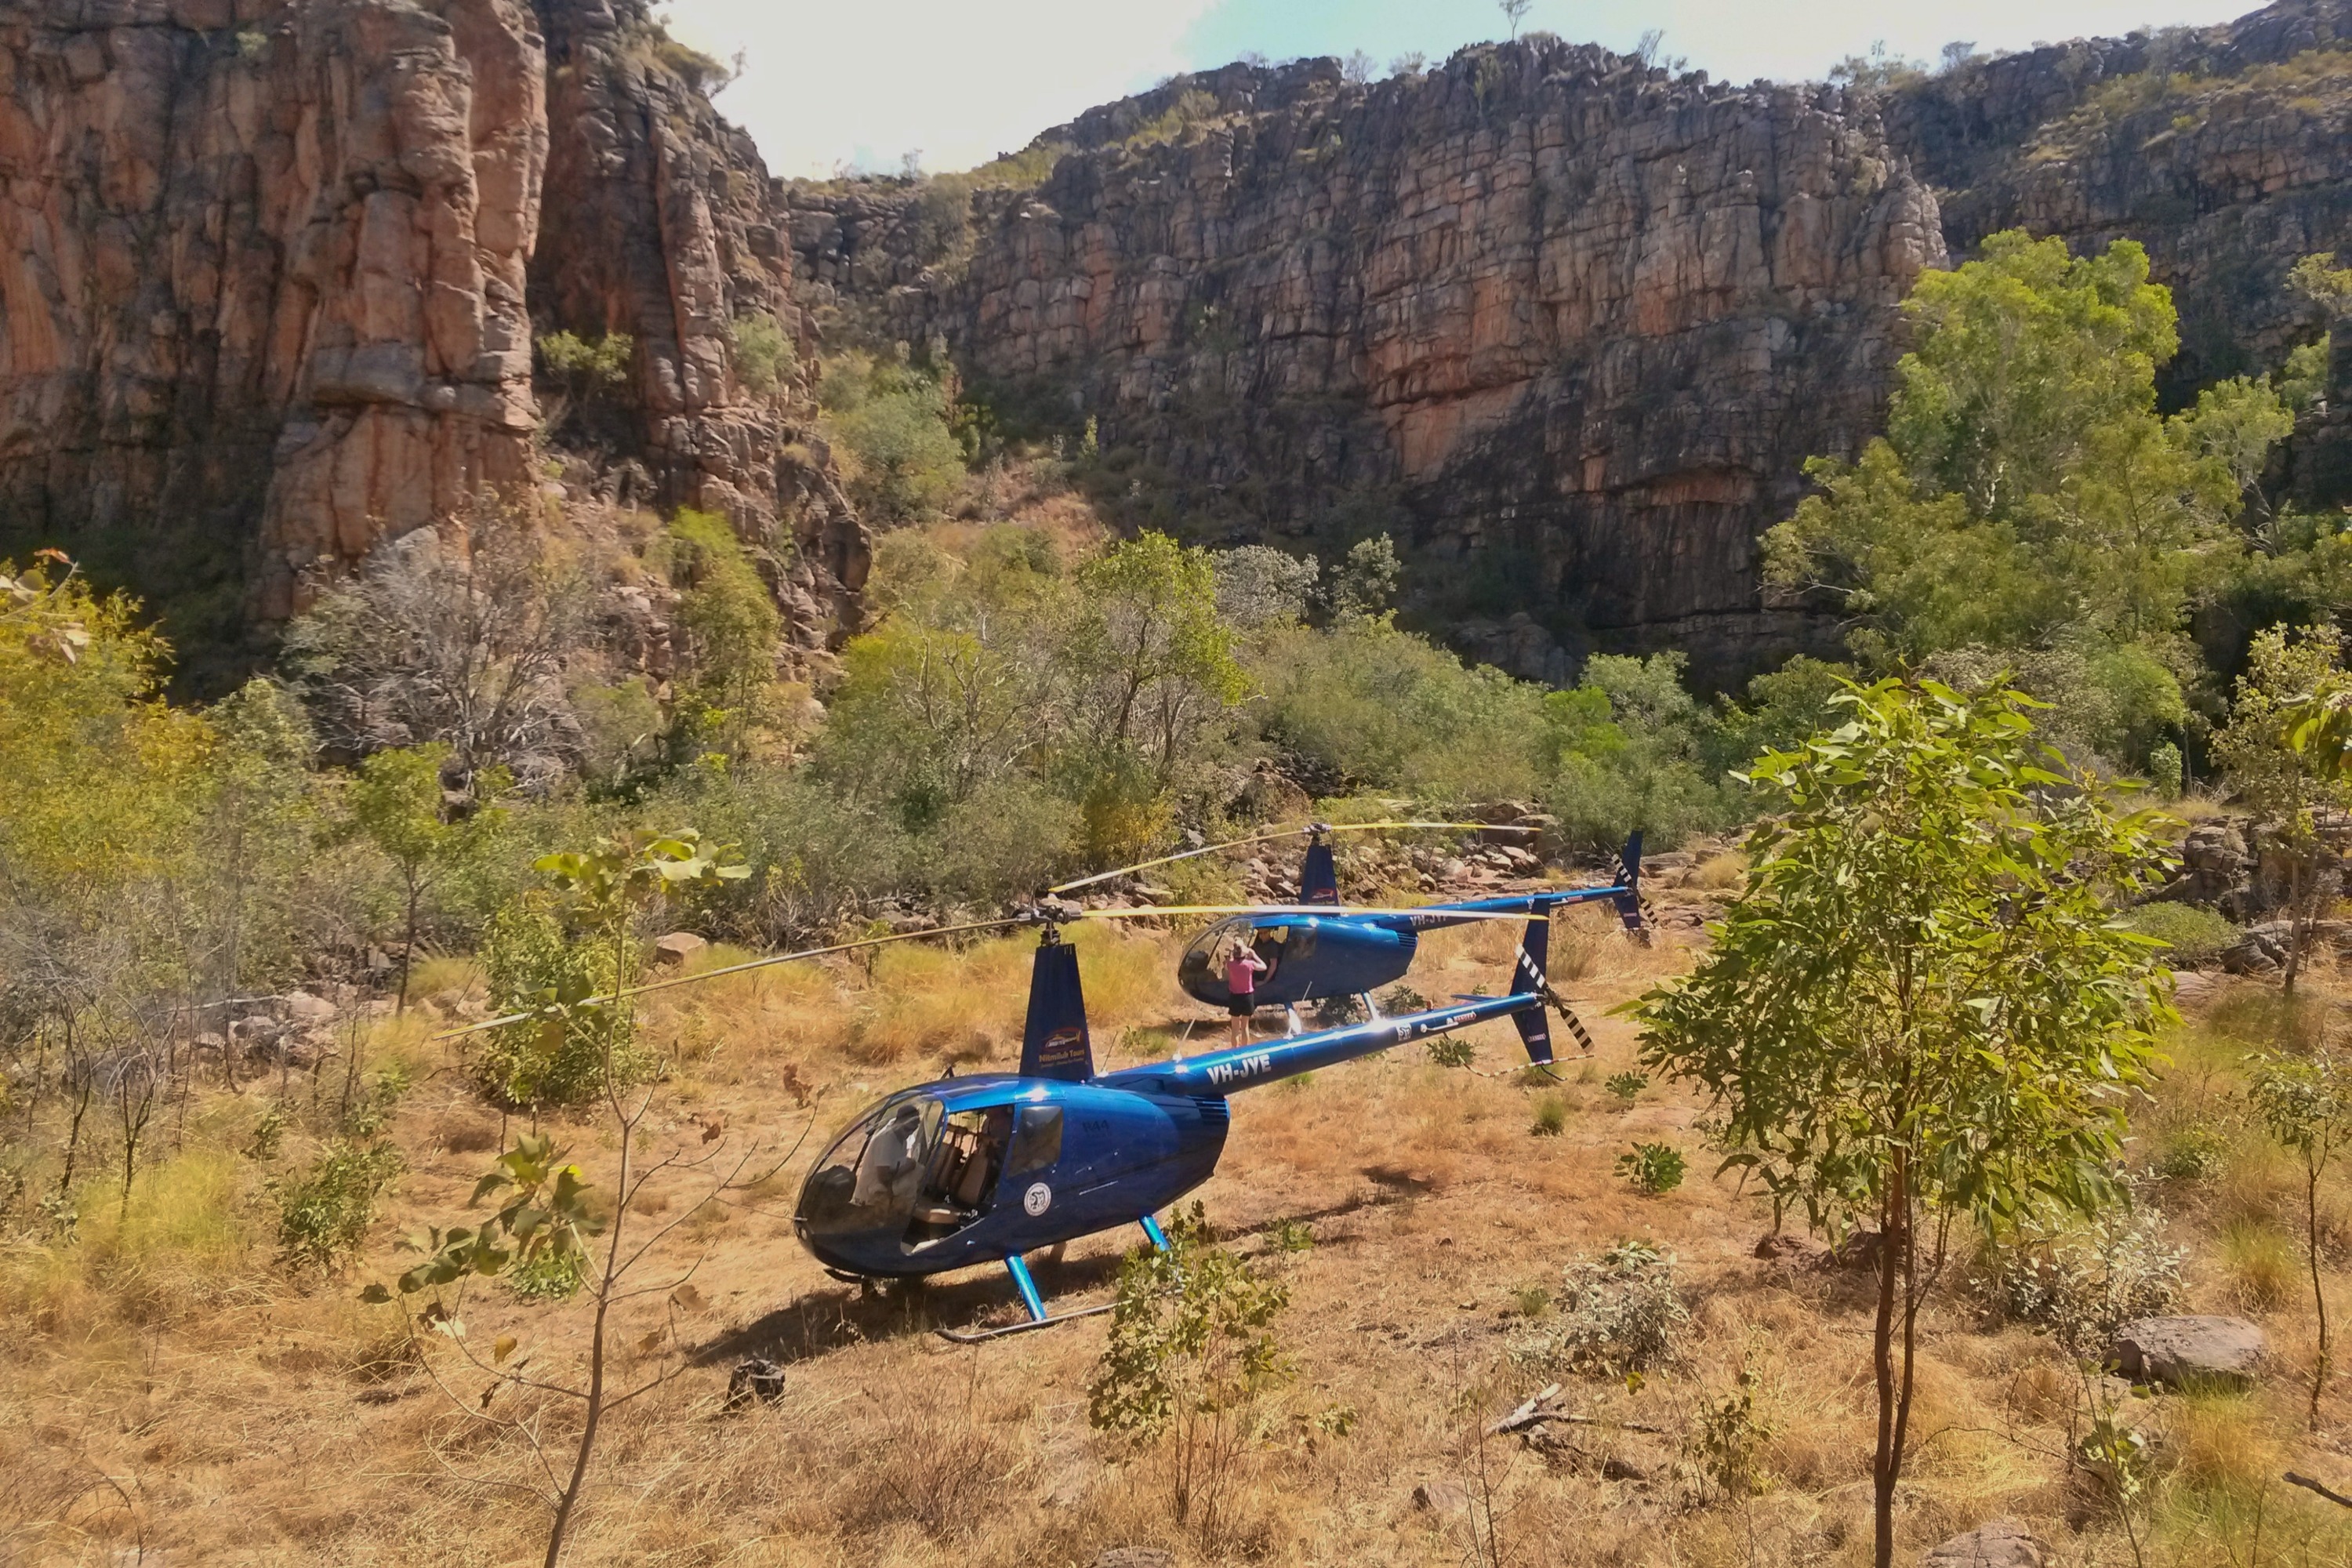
point(1242, 966)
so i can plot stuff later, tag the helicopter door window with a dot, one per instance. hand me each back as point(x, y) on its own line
point(962, 1176)
point(1038, 1143)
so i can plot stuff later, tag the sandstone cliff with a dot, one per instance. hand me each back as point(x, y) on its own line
point(2226, 150)
point(267, 293)
point(1566, 326)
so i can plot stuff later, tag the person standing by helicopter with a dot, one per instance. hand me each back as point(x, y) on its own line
point(1242, 966)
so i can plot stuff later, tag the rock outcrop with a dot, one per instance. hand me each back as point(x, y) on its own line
point(2222, 150)
point(1565, 325)
point(267, 294)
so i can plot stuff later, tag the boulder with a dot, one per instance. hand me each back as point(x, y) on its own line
point(755, 1378)
point(1136, 1557)
point(2180, 1351)
point(2003, 1543)
point(1783, 1248)
point(1441, 1497)
point(305, 1008)
point(679, 949)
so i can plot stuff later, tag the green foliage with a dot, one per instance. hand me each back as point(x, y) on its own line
point(1922, 975)
point(2082, 1278)
point(1366, 581)
point(1192, 1347)
point(765, 358)
point(1450, 1050)
point(1551, 1117)
point(543, 1226)
point(2029, 504)
point(1655, 1168)
point(1626, 1087)
point(324, 1212)
point(731, 627)
point(1730, 1440)
point(1921, 1004)
point(584, 365)
point(398, 806)
point(2305, 1103)
point(891, 422)
point(1291, 1235)
point(2283, 751)
point(1618, 1315)
point(567, 958)
point(2197, 1152)
point(2194, 938)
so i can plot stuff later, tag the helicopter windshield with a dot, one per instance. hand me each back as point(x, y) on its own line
point(1201, 969)
point(871, 1176)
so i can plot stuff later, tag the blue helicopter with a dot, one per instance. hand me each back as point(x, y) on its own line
point(990, 1168)
point(1315, 951)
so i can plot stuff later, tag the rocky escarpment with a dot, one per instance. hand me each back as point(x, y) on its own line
point(2226, 150)
point(661, 222)
point(1566, 326)
point(267, 288)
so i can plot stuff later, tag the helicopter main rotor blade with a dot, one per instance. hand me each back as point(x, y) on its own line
point(739, 968)
point(1270, 837)
point(1337, 912)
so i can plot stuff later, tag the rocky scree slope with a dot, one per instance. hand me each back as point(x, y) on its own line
point(267, 287)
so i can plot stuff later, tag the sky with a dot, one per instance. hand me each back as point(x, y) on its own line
point(865, 83)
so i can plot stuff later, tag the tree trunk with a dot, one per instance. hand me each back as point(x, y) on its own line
point(2318, 1295)
point(407, 950)
point(1887, 1463)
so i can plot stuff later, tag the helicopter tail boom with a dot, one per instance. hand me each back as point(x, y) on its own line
point(1217, 1074)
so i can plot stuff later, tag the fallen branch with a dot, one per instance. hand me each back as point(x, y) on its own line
point(2330, 1493)
point(1534, 1414)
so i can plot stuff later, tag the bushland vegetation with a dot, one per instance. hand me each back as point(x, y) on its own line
point(227, 932)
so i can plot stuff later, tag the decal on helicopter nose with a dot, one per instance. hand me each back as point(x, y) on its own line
point(1037, 1199)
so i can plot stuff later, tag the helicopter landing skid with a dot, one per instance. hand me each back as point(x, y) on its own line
point(974, 1336)
point(1018, 1266)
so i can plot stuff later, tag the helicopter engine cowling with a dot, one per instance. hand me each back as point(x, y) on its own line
point(1308, 957)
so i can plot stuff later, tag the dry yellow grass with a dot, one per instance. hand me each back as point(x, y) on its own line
point(170, 1390)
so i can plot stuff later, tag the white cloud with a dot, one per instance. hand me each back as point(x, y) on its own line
point(959, 80)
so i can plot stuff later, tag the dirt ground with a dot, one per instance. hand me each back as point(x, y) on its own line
point(171, 1398)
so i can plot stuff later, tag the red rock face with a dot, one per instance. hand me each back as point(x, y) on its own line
point(1573, 325)
point(262, 269)
point(263, 278)
point(661, 222)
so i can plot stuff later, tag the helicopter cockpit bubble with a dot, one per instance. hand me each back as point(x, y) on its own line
point(1202, 970)
point(869, 1179)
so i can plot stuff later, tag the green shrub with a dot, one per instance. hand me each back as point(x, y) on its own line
point(324, 1212)
point(2082, 1280)
point(1451, 1051)
point(528, 960)
point(1655, 1168)
point(1551, 1117)
point(764, 356)
point(2195, 937)
point(2197, 1152)
point(586, 365)
point(1626, 1087)
point(1618, 1315)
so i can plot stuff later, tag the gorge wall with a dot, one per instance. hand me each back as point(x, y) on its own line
point(270, 272)
point(1564, 325)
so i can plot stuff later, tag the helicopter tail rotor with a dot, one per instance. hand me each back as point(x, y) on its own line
point(1632, 907)
point(1529, 975)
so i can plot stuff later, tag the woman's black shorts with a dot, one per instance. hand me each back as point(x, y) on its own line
point(1242, 1007)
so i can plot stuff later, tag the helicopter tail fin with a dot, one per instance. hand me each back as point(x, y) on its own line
point(1527, 975)
point(1054, 1042)
point(1631, 907)
point(1319, 876)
